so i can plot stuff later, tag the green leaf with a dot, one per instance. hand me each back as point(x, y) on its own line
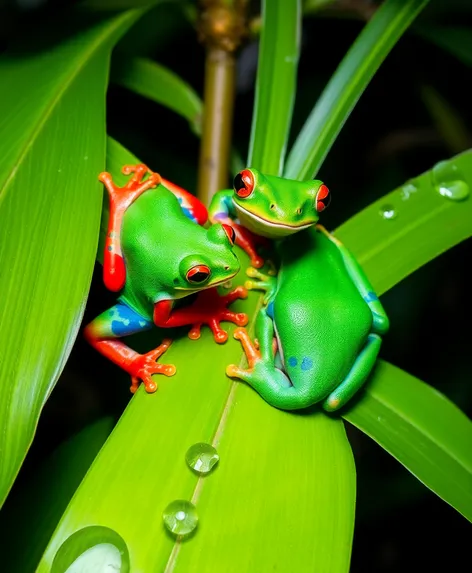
point(52, 147)
point(424, 223)
point(403, 415)
point(38, 503)
point(347, 84)
point(275, 84)
point(249, 518)
point(159, 84)
point(422, 429)
point(455, 40)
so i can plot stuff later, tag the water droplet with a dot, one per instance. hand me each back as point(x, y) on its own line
point(180, 517)
point(449, 181)
point(201, 457)
point(388, 212)
point(407, 190)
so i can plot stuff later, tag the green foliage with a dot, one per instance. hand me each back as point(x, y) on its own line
point(275, 85)
point(422, 429)
point(53, 147)
point(347, 84)
point(283, 494)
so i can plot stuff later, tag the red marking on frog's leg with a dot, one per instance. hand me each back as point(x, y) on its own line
point(188, 201)
point(120, 198)
point(209, 308)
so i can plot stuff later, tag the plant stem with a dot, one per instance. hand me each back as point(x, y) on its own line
point(222, 25)
point(217, 123)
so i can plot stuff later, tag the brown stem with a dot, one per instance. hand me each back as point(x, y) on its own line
point(222, 24)
point(217, 123)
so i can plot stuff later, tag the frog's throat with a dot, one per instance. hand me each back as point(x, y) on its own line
point(209, 285)
point(270, 224)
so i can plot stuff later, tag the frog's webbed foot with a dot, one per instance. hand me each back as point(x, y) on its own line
point(210, 308)
point(144, 366)
point(264, 282)
point(120, 198)
point(251, 350)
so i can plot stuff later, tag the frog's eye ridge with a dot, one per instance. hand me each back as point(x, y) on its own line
point(198, 274)
point(243, 183)
point(230, 233)
point(323, 198)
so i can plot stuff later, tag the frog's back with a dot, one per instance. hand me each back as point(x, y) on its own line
point(154, 228)
point(322, 320)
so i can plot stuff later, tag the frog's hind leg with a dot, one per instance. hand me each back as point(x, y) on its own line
point(356, 377)
point(380, 322)
point(120, 320)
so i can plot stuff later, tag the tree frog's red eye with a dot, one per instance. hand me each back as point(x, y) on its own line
point(198, 274)
point(230, 232)
point(243, 183)
point(323, 198)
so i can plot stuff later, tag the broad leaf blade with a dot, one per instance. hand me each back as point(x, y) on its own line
point(414, 417)
point(347, 84)
point(422, 429)
point(424, 224)
point(275, 84)
point(258, 454)
point(52, 147)
point(159, 84)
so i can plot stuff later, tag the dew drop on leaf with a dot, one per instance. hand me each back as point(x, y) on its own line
point(449, 181)
point(388, 212)
point(180, 517)
point(201, 457)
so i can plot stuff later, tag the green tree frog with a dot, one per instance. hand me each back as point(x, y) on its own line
point(320, 311)
point(157, 252)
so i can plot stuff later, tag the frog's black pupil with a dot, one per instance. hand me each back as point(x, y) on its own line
point(198, 277)
point(238, 182)
point(233, 235)
point(327, 200)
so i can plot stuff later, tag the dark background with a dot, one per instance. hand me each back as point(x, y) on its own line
point(390, 137)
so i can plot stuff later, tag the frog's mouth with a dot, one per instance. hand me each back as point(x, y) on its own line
point(267, 228)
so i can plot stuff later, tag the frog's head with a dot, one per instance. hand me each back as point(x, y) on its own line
point(274, 207)
point(212, 264)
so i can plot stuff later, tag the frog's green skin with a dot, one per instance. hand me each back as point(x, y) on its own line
point(161, 256)
point(327, 322)
point(268, 206)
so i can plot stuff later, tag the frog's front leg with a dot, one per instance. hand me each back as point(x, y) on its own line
point(210, 308)
point(222, 210)
point(380, 322)
point(120, 320)
point(266, 283)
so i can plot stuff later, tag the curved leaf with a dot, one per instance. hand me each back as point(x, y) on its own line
point(413, 224)
point(347, 84)
point(156, 82)
point(39, 502)
point(422, 429)
point(249, 520)
point(275, 84)
point(52, 146)
point(411, 420)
